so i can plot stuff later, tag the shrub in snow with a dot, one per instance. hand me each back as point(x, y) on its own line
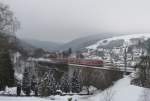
point(69, 99)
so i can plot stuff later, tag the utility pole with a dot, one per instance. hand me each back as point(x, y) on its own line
point(125, 60)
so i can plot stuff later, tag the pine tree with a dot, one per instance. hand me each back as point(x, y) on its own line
point(26, 84)
point(52, 84)
point(65, 84)
point(36, 90)
point(48, 85)
point(75, 82)
point(6, 70)
point(43, 88)
point(34, 85)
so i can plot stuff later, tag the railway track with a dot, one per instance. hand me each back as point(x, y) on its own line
point(129, 69)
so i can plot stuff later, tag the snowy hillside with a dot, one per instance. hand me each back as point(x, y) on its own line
point(126, 38)
point(121, 91)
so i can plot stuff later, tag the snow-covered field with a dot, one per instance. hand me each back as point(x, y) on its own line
point(122, 90)
point(52, 98)
point(22, 99)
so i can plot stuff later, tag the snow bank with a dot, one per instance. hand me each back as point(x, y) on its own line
point(9, 91)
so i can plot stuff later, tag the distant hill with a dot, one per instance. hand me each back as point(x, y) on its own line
point(81, 43)
point(76, 44)
point(24, 47)
point(120, 40)
point(47, 45)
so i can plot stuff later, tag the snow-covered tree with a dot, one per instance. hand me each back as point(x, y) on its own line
point(34, 85)
point(43, 89)
point(52, 84)
point(75, 82)
point(48, 85)
point(65, 83)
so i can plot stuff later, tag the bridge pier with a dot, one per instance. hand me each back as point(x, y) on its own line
point(99, 78)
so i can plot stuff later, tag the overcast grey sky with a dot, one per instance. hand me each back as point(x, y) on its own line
point(64, 20)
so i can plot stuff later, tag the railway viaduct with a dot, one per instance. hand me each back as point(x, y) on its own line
point(100, 77)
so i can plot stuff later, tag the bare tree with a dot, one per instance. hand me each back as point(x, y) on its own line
point(108, 95)
point(144, 71)
point(87, 78)
point(145, 95)
point(8, 23)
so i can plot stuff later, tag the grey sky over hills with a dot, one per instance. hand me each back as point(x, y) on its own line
point(65, 20)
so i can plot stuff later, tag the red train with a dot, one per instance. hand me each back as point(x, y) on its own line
point(89, 62)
